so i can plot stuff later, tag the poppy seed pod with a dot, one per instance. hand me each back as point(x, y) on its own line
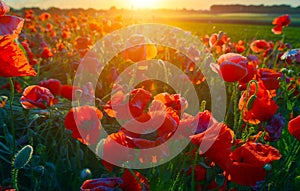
point(23, 157)
point(250, 102)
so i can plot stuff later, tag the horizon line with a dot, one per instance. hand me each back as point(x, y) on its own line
point(161, 8)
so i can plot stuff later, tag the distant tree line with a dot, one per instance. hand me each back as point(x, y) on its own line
point(234, 8)
point(254, 9)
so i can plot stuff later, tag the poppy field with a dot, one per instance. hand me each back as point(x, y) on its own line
point(96, 101)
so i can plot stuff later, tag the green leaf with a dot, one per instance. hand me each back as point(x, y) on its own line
point(290, 105)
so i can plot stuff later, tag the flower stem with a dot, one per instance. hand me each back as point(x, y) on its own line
point(12, 95)
point(15, 178)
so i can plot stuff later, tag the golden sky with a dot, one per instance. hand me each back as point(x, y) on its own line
point(129, 4)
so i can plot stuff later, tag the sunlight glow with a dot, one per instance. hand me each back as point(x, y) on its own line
point(140, 4)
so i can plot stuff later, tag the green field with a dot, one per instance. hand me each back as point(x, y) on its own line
point(238, 26)
point(240, 31)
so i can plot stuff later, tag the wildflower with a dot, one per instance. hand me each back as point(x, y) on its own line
point(137, 103)
point(274, 128)
point(84, 121)
point(137, 49)
point(281, 22)
point(53, 85)
point(248, 161)
point(233, 67)
point(294, 127)
point(46, 53)
point(66, 91)
point(101, 184)
point(262, 108)
point(259, 46)
point(215, 143)
point(269, 78)
point(37, 97)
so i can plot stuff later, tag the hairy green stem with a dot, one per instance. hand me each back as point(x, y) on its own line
point(11, 100)
point(15, 178)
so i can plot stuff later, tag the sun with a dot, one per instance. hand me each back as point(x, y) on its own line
point(141, 4)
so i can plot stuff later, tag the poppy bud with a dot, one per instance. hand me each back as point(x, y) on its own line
point(251, 102)
point(220, 35)
point(268, 167)
point(23, 157)
point(85, 173)
point(284, 70)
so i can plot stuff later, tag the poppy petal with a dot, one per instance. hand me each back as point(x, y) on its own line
point(294, 127)
point(3, 8)
point(11, 25)
point(13, 61)
point(232, 72)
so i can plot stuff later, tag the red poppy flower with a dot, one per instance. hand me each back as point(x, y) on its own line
point(218, 39)
point(136, 182)
point(84, 121)
point(37, 97)
point(94, 26)
point(110, 26)
point(112, 152)
point(205, 40)
point(82, 43)
point(232, 72)
point(233, 67)
point(146, 155)
point(138, 50)
point(259, 46)
point(101, 184)
point(262, 108)
point(174, 101)
point(240, 46)
point(294, 127)
point(251, 68)
point(29, 14)
point(53, 85)
point(280, 22)
point(190, 125)
point(138, 101)
point(44, 16)
point(248, 161)
point(3, 8)
point(161, 122)
point(269, 78)
point(17, 86)
point(66, 34)
point(66, 91)
point(215, 143)
point(46, 53)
